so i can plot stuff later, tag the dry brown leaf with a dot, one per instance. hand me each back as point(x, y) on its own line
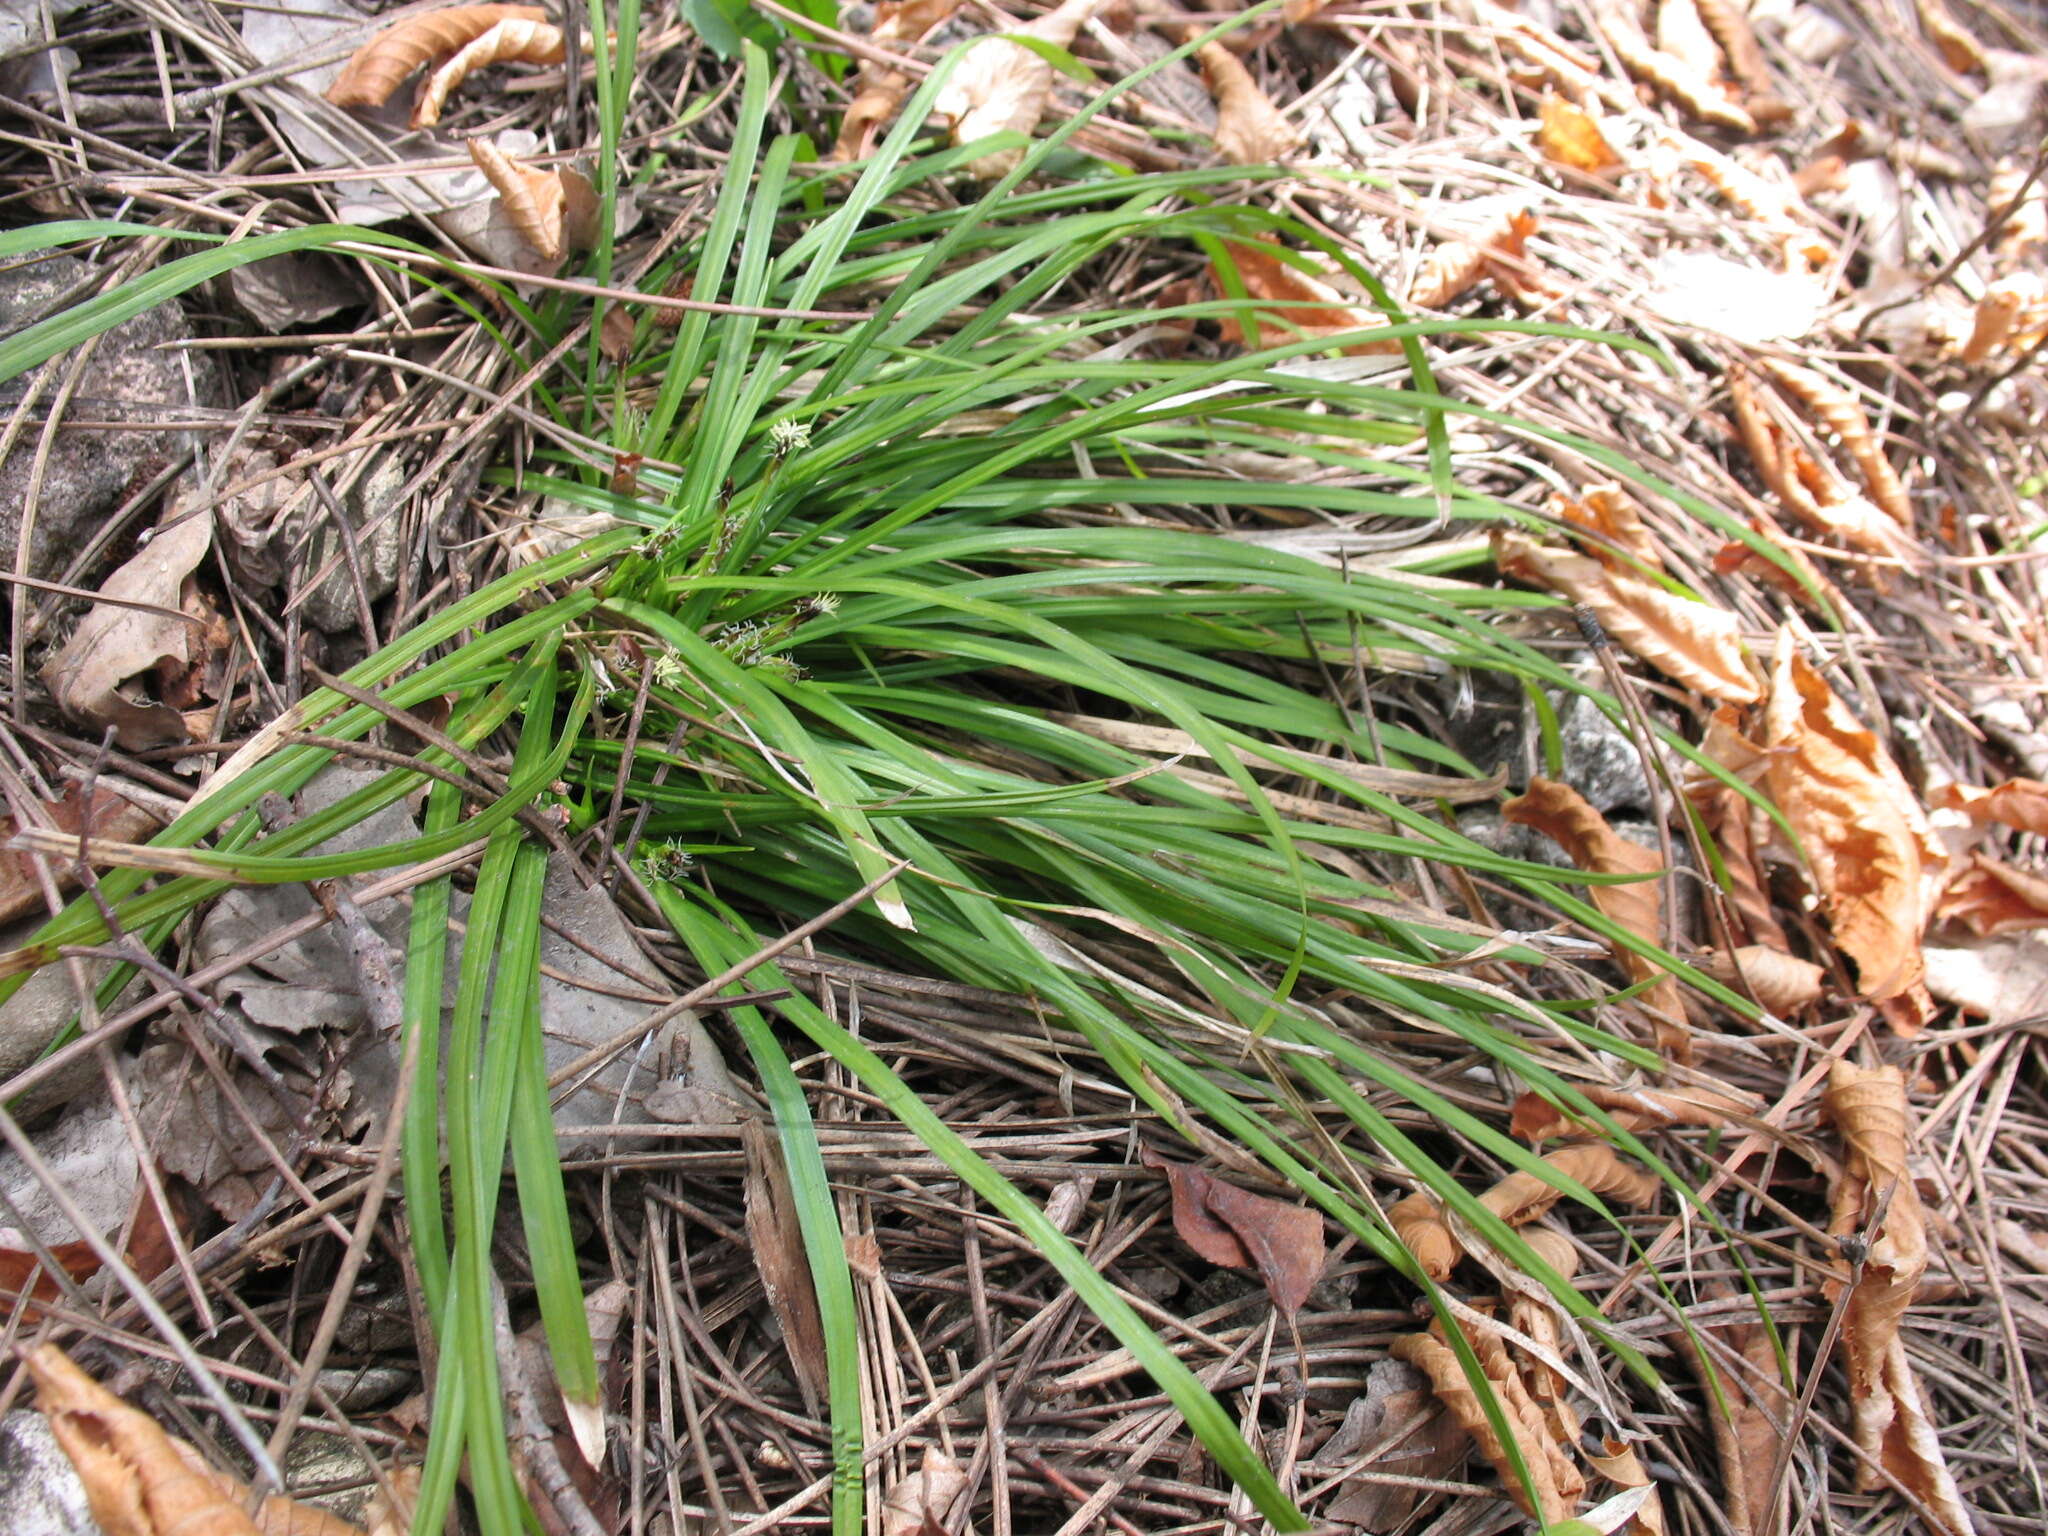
point(1634, 1109)
point(1399, 1424)
point(2021, 803)
point(1619, 1464)
point(1613, 514)
point(112, 817)
point(917, 1504)
point(141, 1482)
point(535, 201)
point(1959, 50)
point(1728, 21)
point(1782, 983)
point(1689, 641)
point(1776, 206)
point(1733, 821)
point(93, 677)
point(1311, 306)
point(513, 40)
point(1748, 1406)
point(1693, 89)
point(388, 59)
point(1683, 34)
point(1563, 815)
point(1877, 1199)
point(1250, 130)
point(1454, 266)
point(1873, 857)
point(1737, 555)
point(1520, 1198)
point(1557, 1484)
point(880, 89)
point(389, 1512)
point(1570, 136)
point(784, 1264)
point(1991, 323)
point(1418, 1220)
point(1234, 1227)
point(1990, 898)
point(1003, 87)
point(1838, 410)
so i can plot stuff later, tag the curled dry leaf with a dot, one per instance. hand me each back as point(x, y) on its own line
point(1682, 33)
point(1633, 1109)
point(1816, 493)
point(1839, 411)
point(1991, 323)
point(1454, 266)
point(1564, 816)
point(1234, 1227)
point(1002, 87)
point(2019, 209)
point(1418, 1220)
point(879, 88)
point(1570, 136)
point(536, 202)
point(1573, 72)
point(141, 1482)
point(512, 40)
point(1782, 983)
point(94, 676)
point(1518, 1199)
point(1747, 1403)
point(1776, 206)
point(917, 1504)
point(1618, 1463)
point(388, 59)
point(1867, 842)
point(1959, 50)
point(1690, 642)
point(1693, 89)
point(1556, 1483)
point(1877, 1199)
point(1250, 130)
point(1728, 21)
point(1305, 305)
point(1612, 513)
point(1990, 898)
point(2021, 803)
point(1733, 822)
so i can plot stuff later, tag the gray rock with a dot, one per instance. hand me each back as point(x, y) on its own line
point(372, 508)
point(40, 1494)
point(90, 471)
point(1598, 758)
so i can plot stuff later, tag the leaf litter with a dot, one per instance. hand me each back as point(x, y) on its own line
point(1846, 445)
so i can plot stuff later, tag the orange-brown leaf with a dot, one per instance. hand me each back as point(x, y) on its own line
point(881, 87)
point(535, 201)
point(1418, 1221)
point(1876, 1198)
point(1563, 815)
point(1689, 641)
point(1839, 411)
point(1692, 88)
point(1782, 983)
point(1728, 21)
point(1990, 898)
point(1866, 839)
point(2021, 803)
point(514, 40)
point(1959, 50)
point(1522, 1197)
point(918, 1503)
point(1612, 513)
point(1249, 128)
point(1454, 266)
point(1557, 1483)
point(1302, 304)
point(141, 1482)
point(1634, 1109)
point(1570, 136)
point(1747, 1403)
point(384, 63)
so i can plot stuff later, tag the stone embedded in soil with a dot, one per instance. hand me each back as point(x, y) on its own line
point(90, 471)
